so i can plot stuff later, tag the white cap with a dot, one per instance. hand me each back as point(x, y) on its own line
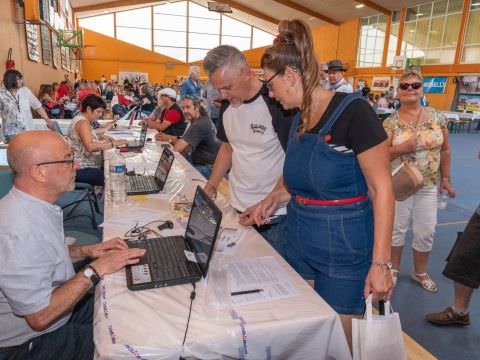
point(168, 92)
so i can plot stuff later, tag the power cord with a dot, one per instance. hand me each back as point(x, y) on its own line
point(192, 297)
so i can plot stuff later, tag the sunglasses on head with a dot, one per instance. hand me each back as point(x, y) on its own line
point(415, 86)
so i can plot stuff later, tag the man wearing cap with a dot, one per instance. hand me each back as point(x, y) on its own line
point(191, 86)
point(169, 119)
point(337, 83)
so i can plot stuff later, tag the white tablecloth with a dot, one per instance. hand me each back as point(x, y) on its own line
point(150, 324)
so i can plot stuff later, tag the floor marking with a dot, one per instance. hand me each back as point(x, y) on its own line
point(453, 223)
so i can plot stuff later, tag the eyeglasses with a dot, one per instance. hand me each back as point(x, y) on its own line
point(267, 83)
point(415, 86)
point(69, 161)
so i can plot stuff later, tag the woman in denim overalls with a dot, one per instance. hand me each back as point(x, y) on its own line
point(332, 239)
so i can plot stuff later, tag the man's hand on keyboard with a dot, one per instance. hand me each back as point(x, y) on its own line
point(115, 260)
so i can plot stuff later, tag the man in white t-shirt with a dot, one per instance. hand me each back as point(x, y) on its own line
point(254, 129)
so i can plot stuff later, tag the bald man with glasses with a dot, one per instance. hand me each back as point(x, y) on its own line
point(46, 309)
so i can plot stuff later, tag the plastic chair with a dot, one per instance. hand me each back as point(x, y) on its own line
point(87, 194)
point(453, 120)
point(6, 181)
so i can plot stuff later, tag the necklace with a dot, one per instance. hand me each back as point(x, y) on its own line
point(413, 126)
point(17, 100)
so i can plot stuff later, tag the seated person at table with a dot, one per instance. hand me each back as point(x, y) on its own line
point(46, 95)
point(200, 138)
point(86, 145)
point(45, 311)
point(171, 120)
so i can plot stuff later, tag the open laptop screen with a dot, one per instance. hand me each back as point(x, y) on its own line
point(164, 165)
point(143, 134)
point(202, 228)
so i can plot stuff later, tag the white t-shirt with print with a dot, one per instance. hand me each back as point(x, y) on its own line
point(257, 157)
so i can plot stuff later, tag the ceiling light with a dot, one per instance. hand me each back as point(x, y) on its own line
point(476, 4)
point(420, 14)
point(359, 6)
point(106, 11)
point(311, 18)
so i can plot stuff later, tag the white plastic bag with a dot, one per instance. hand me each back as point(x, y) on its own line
point(378, 337)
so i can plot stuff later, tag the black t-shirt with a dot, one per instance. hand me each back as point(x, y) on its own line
point(176, 128)
point(202, 137)
point(281, 119)
point(358, 127)
point(150, 106)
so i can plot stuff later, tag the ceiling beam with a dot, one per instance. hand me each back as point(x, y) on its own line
point(375, 6)
point(301, 8)
point(250, 11)
point(120, 3)
point(113, 4)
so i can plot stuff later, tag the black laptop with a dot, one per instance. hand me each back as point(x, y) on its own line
point(165, 262)
point(137, 145)
point(148, 184)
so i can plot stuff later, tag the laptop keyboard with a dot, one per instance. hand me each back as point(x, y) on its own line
point(166, 258)
point(142, 183)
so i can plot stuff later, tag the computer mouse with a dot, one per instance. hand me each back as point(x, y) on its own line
point(149, 139)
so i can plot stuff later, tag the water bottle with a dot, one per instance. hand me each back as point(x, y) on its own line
point(117, 179)
point(442, 200)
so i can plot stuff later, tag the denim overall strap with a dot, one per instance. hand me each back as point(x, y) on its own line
point(347, 100)
point(294, 126)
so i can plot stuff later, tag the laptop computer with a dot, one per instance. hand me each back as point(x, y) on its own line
point(56, 127)
point(148, 184)
point(165, 262)
point(137, 145)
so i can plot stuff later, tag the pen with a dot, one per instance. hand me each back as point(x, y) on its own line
point(235, 293)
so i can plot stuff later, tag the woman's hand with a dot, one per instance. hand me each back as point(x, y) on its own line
point(261, 212)
point(379, 282)
point(446, 185)
point(408, 146)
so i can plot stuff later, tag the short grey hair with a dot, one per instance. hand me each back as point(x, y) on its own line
point(194, 69)
point(222, 56)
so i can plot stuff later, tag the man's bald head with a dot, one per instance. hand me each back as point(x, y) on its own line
point(33, 147)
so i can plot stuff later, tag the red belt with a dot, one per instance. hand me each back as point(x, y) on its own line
point(352, 200)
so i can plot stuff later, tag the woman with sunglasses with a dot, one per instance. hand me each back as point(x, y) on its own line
point(336, 180)
point(418, 135)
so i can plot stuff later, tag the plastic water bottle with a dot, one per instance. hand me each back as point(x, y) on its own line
point(118, 170)
point(442, 200)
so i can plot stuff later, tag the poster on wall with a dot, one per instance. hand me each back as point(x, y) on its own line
point(46, 45)
point(434, 85)
point(469, 84)
point(381, 83)
point(132, 76)
point(468, 103)
point(32, 42)
point(56, 51)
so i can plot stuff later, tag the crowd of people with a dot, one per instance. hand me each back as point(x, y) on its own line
point(308, 164)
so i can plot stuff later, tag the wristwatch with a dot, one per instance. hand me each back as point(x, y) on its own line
point(91, 274)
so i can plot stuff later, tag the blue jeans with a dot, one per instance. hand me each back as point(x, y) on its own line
point(74, 340)
point(205, 170)
point(275, 233)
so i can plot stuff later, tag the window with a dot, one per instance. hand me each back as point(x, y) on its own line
point(175, 32)
point(134, 27)
point(261, 38)
point(371, 41)
point(431, 31)
point(102, 24)
point(393, 38)
point(471, 46)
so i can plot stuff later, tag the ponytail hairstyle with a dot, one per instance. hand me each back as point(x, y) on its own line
point(293, 47)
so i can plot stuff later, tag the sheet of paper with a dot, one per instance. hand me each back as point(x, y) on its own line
point(230, 220)
point(120, 134)
point(135, 216)
point(229, 240)
point(263, 273)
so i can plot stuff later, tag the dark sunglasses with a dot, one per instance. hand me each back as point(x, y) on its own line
point(267, 83)
point(69, 161)
point(415, 86)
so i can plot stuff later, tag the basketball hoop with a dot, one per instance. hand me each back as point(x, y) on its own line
point(398, 63)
